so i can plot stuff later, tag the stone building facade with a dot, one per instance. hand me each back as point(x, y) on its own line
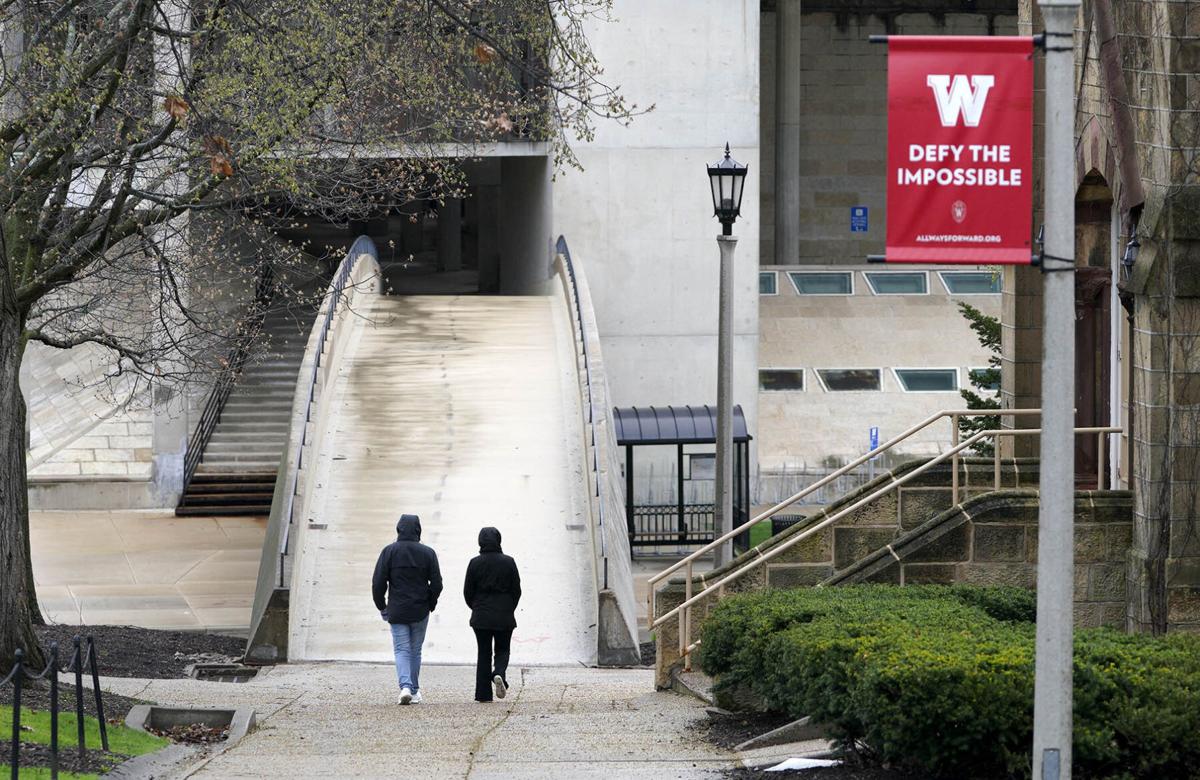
point(1138, 145)
point(1138, 321)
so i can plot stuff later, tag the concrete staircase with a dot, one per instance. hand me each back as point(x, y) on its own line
point(236, 475)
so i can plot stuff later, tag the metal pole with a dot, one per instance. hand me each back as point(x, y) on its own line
point(724, 494)
point(1052, 717)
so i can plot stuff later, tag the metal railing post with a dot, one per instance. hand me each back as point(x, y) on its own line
point(1100, 441)
point(996, 459)
point(91, 651)
point(77, 662)
point(685, 627)
point(18, 673)
point(54, 711)
point(954, 461)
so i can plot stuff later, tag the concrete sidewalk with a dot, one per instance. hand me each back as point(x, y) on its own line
point(146, 568)
point(341, 720)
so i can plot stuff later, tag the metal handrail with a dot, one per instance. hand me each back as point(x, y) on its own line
point(953, 414)
point(335, 296)
point(683, 610)
point(264, 291)
point(565, 251)
point(80, 659)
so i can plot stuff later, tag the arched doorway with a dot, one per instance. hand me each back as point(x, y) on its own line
point(1093, 318)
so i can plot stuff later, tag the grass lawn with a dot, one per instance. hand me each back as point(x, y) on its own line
point(43, 773)
point(760, 533)
point(123, 740)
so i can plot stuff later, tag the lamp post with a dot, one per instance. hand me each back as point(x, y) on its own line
point(727, 178)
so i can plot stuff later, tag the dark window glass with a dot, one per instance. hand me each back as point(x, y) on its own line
point(928, 380)
point(842, 379)
point(915, 283)
point(823, 283)
point(971, 282)
point(781, 379)
point(985, 378)
point(767, 283)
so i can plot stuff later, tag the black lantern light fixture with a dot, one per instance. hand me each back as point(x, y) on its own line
point(1129, 258)
point(728, 179)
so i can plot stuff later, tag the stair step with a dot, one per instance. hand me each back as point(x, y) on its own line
point(256, 489)
point(240, 467)
point(214, 479)
point(252, 450)
point(207, 499)
point(223, 511)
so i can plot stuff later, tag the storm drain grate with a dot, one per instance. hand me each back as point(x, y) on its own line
point(230, 673)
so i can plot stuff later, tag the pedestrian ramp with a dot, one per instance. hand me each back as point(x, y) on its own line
point(463, 410)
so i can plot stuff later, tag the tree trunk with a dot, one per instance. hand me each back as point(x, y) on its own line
point(16, 580)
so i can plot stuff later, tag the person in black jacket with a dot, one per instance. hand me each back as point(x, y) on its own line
point(492, 590)
point(407, 572)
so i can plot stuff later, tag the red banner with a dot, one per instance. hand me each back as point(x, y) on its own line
point(960, 149)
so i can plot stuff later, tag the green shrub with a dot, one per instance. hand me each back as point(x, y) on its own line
point(940, 679)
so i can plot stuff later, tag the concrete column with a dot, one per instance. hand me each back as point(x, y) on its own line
point(489, 239)
point(450, 235)
point(1052, 705)
point(724, 481)
point(787, 132)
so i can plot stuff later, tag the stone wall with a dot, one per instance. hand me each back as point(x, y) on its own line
point(989, 539)
point(863, 531)
point(992, 540)
point(842, 122)
point(1136, 131)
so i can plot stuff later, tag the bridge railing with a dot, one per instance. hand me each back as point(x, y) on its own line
point(617, 621)
point(358, 273)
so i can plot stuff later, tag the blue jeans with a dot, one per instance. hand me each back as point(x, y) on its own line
point(407, 639)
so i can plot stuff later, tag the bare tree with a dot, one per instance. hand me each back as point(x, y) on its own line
point(145, 143)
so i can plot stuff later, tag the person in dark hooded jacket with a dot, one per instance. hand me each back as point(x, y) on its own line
point(407, 574)
point(492, 590)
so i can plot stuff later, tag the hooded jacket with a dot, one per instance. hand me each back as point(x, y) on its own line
point(407, 572)
point(493, 585)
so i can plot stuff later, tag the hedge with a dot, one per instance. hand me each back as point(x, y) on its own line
point(940, 679)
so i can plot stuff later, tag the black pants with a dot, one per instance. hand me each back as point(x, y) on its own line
point(485, 668)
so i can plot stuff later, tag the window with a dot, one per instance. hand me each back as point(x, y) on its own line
point(984, 378)
point(927, 380)
point(898, 283)
point(838, 380)
point(823, 282)
point(702, 466)
point(777, 379)
point(971, 282)
point(768, 283)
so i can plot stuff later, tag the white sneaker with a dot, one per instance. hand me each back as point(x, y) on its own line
point(416, 698)
point(499, 687)
point(405, 696)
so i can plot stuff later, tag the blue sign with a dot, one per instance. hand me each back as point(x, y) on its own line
point(874, 439)
point(858, 219)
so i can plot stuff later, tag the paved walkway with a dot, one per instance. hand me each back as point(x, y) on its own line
point(461, 410)
point(146, 568)
point(341, 720)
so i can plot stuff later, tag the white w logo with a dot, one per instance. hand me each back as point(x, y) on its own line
point(957, 98)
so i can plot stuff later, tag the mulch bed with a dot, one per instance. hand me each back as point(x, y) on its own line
point(36, 696)
point(93, 761)
point(125, 651)
point(823, 773)
point(193, 734)
point(728, 730)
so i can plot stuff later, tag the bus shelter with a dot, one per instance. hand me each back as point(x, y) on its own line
point(679, 524)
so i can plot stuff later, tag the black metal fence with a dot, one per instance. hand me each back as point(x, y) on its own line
point(661, 525)
point(81, 658)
